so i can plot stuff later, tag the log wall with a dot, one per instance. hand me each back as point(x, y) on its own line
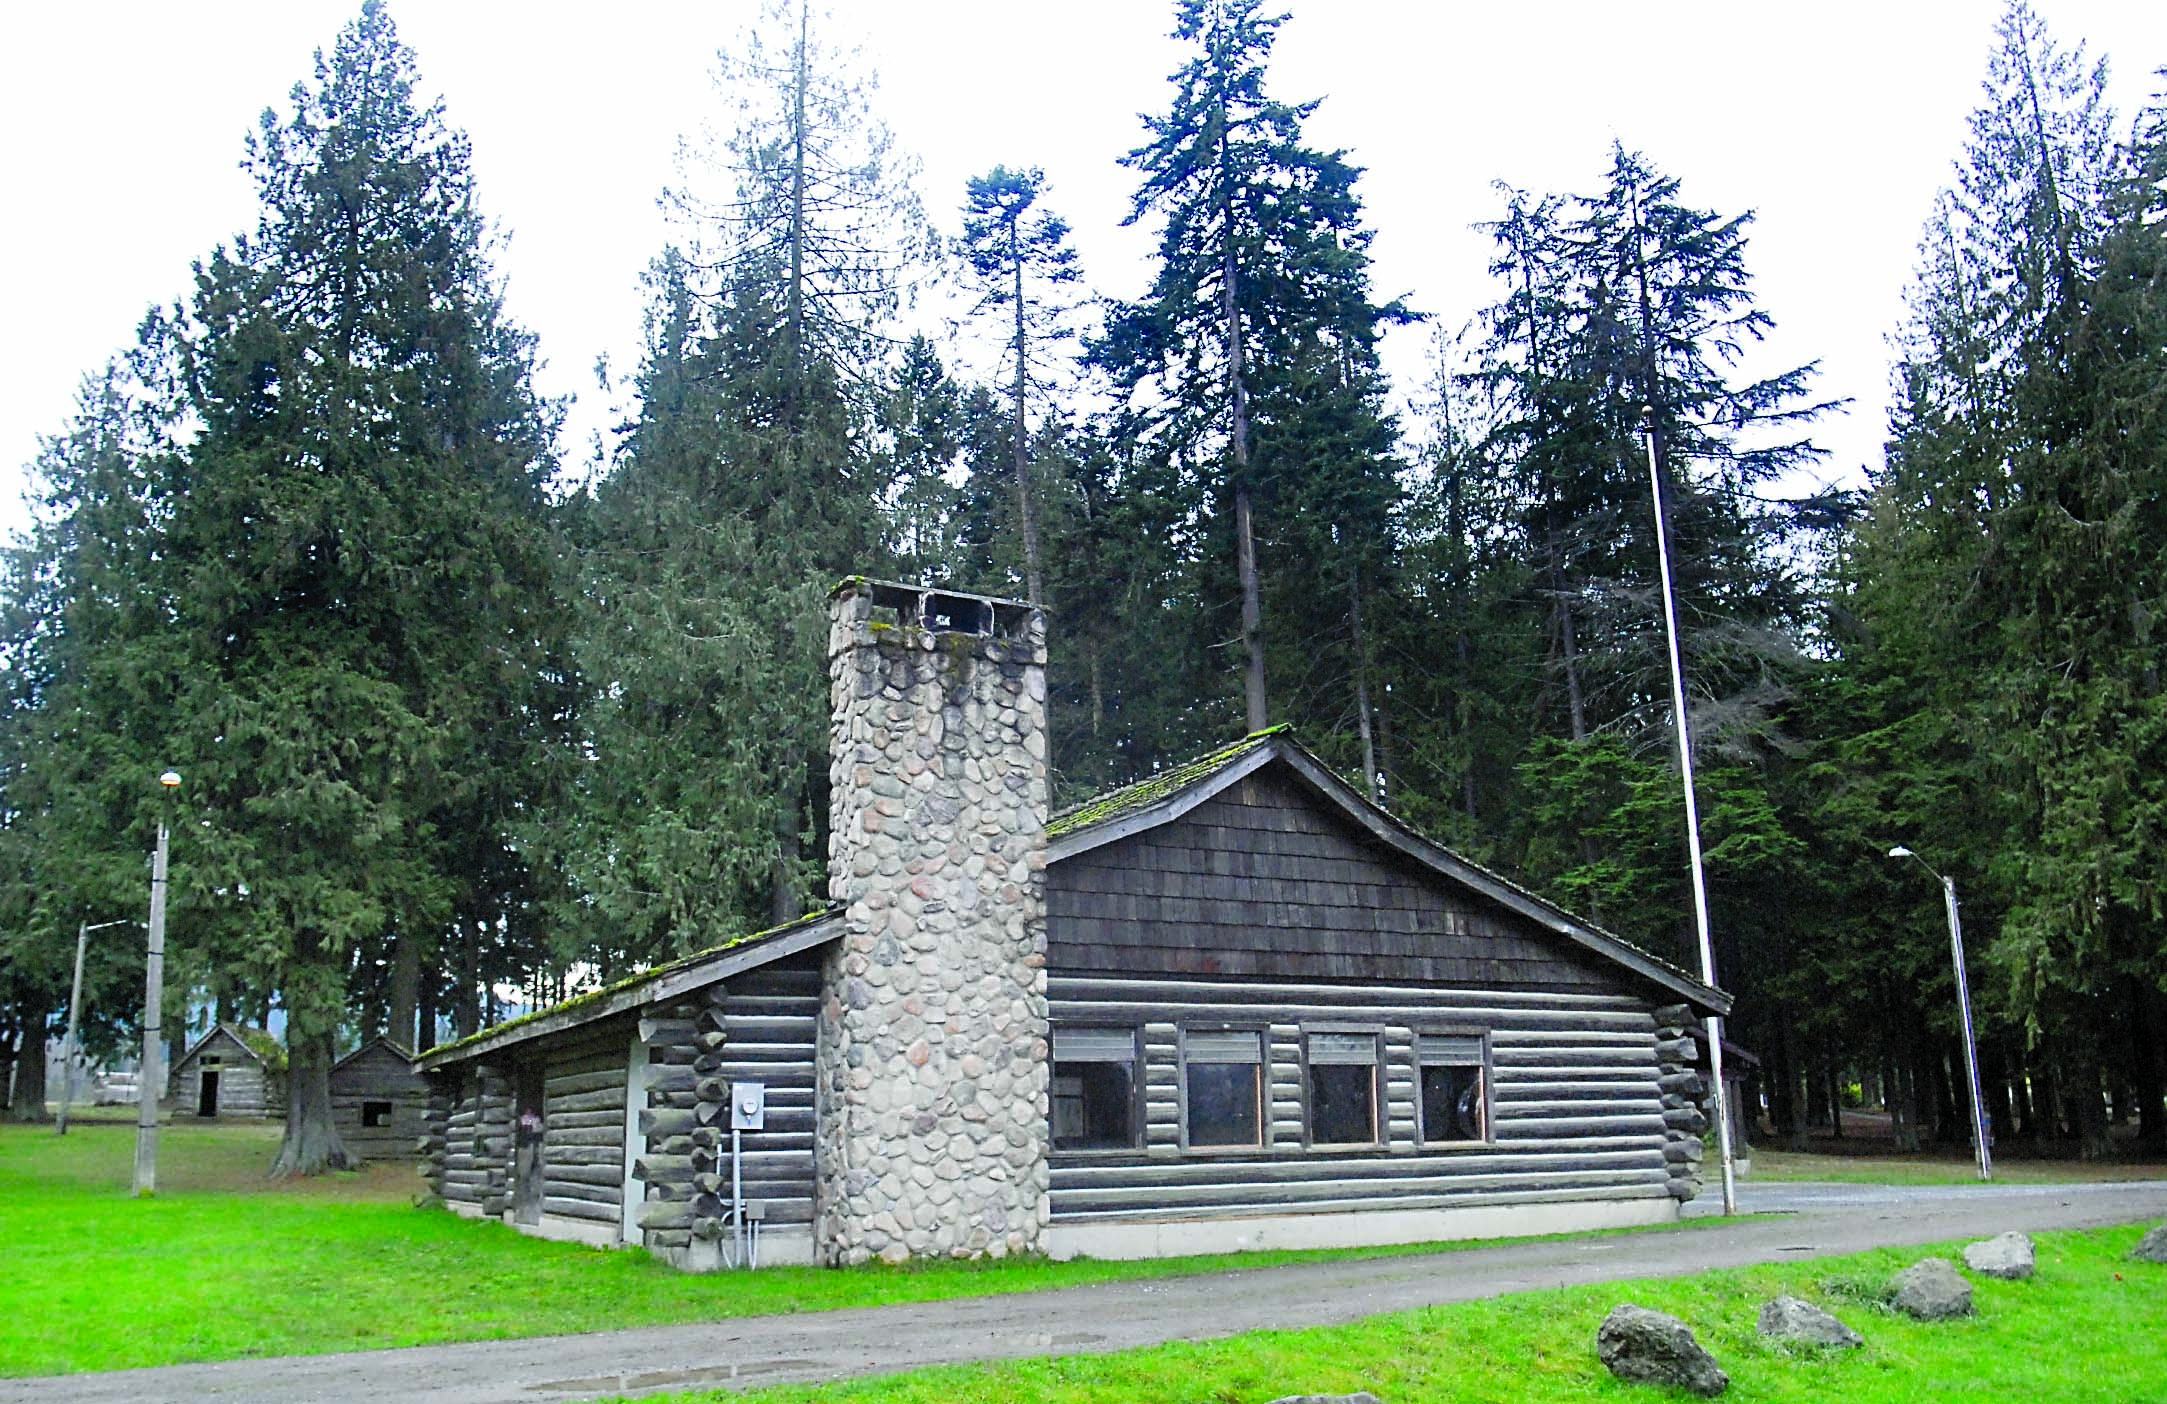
point(583, 1118)
point(1576, 1106)
point(377, 1074)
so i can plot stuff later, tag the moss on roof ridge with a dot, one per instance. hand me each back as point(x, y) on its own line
point(1142, 794)
point(596, 996)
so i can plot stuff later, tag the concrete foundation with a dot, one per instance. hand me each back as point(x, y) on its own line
point(1178, 1238)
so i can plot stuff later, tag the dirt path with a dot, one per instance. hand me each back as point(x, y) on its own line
point(1818, 1220)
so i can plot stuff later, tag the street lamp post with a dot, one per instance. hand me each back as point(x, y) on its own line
point(1963, 1004)
point(75, 1009)
point(150, 1083)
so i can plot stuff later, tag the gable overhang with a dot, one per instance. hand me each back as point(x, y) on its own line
point(213, 1032)
point(663, 983)
point(397, 1050)
point(1319, 780)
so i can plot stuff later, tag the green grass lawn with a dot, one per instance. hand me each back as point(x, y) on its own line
point(2090, 1327)
point(223, 1265)
point(1938, 1167)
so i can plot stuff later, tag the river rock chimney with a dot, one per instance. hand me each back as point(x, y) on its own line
point(933, 1052)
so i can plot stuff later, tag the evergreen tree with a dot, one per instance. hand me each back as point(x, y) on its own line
point(1261, 296)
point(356, 559)
point(1021, 262)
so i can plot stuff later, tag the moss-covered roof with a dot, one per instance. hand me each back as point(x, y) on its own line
point(603, 994)
point(1145, 793)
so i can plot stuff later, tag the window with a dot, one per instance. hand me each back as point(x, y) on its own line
point(1343, 1089)
point(375, 1114)
point(1094, 1089)
point(1455, 1088)
point(1222, 1084)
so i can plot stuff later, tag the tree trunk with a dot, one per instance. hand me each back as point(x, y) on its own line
point(405, 993)
point(1372, 782)
point(312, 1143)
point(2145, 1068)
point(28, 1100)
point(425, 1016)
point(1245, 541)
point(1835, 1103)
point(2094, 1139)
point(1025, 519)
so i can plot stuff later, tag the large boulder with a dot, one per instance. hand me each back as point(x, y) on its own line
point(2006, 1255)
point(1789, 1319)
point(1930, 1290)
point(2152, 1248)
point(1646, 1347)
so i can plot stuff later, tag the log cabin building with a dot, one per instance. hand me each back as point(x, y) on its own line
point(379, 1104)
point(1233, 1006)
point(225, 1073)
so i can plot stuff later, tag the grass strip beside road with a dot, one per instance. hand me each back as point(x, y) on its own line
point(2087, 1328)
point(1939, 1167)
point(224, 1266)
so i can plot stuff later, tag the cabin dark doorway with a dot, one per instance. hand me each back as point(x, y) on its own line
point(207, 1094)
point(527, 1145)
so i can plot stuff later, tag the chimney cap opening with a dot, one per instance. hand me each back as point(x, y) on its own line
point(942, 611)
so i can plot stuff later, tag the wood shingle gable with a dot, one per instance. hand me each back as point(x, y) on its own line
point(1259, 861)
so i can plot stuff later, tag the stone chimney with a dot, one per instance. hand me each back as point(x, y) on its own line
point(933, 1063)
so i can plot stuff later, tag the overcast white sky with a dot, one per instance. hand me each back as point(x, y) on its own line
point(1836, 122)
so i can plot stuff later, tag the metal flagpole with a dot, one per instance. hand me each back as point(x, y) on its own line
point(1720, 1096)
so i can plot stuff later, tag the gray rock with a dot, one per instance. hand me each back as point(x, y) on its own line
point(1789, 1319)
point(1360, 1396)
point(1646, 1347)
point(2152, 1248)
point(2006, 1255)
point(1930, 1290)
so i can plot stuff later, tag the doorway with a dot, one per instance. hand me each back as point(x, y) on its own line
point(207, 1094)
point(527, 1144)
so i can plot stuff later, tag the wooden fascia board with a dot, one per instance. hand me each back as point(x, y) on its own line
point(1166, 811)
point(728, 963)
point(664, 984)
point(1451, 865)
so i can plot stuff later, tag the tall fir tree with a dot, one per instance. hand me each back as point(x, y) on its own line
point(357, 560)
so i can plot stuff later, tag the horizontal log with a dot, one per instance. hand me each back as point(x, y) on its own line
point(603, 1099)
point(553, 1136)
point(1684, 1152)
point(584, 1175)
point(1686, 1119)
point(676, 1168)
point(1252, 1198)
point(591, 1210)
point(654, 1031)
point(709, 1063)
point(663, 1122)
point(708, 1040)
point(586, 1155)
point(1676, 1050)
point(612, 1114)
point(1683, 1084)
point(662, 1215)
point(661, 1077)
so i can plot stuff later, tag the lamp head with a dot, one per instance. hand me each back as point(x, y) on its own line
point(171, 779)
point(1901, 852)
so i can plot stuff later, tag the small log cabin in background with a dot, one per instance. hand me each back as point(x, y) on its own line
point(226, 1073)
point(1233, 1006)
point(379, 1104)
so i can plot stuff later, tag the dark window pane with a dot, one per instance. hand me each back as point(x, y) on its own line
point(1342, 1105)
point(1094, 1106)
point(1223, 1104)
point(1451, 1103)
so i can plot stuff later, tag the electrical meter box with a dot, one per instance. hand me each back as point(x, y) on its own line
point(748, 1106)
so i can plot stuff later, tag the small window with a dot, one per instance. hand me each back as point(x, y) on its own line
point(1455, 1089)
point(1094, 1089)
point(375, 1114)
point(1343, 1089)
point(211, 1060)
point(1222, 1078)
